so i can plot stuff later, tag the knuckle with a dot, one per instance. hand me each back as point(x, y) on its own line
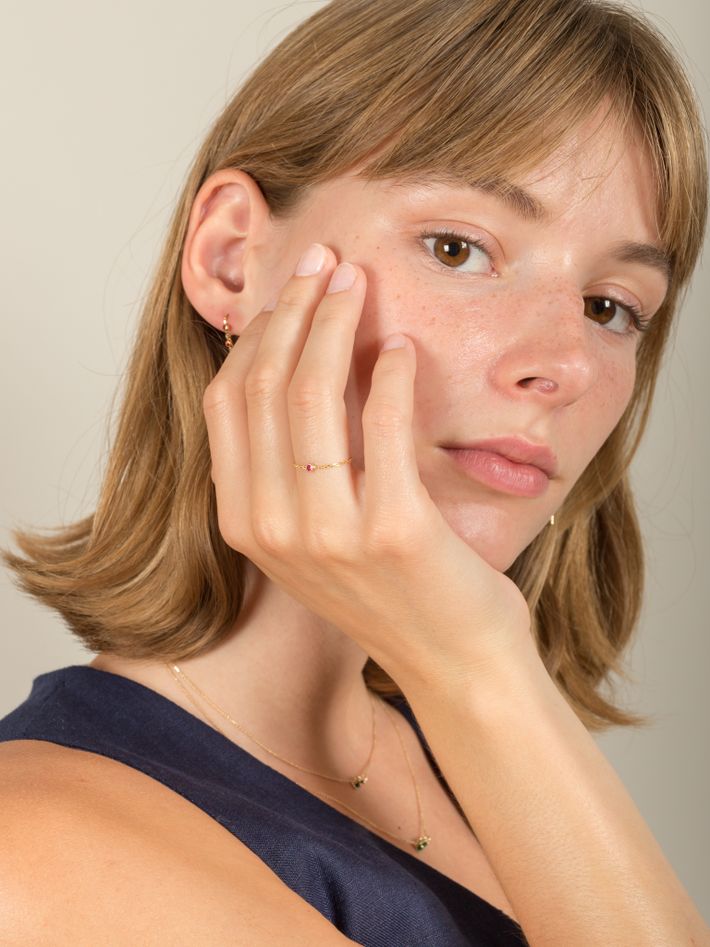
point(320, 544)
point(270, 536)
point(261, 383)
point(327, 316)
point(397, 537)
point(307, 395)
point(384, 417)
point(290, 302)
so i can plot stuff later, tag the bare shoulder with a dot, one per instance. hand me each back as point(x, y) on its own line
point(93, 848)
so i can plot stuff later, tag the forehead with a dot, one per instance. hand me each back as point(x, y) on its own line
point(600, 166)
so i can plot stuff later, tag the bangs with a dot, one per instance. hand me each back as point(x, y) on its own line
point(491, 99)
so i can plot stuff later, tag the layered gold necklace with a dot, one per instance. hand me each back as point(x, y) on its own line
point(356, 782)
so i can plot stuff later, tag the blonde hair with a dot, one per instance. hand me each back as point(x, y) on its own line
point(408, 89)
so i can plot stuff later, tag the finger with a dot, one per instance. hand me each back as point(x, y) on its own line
point(318, 416)
point(274, 493)
point(393, 487)
point(228, 434)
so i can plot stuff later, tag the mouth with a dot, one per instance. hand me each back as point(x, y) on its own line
point(507, 464)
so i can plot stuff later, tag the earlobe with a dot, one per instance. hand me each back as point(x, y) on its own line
point(227, 211)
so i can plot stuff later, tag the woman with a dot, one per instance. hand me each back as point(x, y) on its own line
point(330, 616)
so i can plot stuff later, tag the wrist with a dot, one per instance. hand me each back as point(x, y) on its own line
point(510, 662)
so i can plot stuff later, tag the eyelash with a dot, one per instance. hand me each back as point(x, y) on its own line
point(639, 321)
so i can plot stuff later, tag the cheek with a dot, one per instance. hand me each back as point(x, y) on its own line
point(602, 408)
point(456, 338)
point(449, 323)
point(612, 393)
point(396, 303)
point(448, 329)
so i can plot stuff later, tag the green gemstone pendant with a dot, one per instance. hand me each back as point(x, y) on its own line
point(422, 842)
point(358, 781)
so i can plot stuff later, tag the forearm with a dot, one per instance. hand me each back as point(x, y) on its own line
point(571, 850)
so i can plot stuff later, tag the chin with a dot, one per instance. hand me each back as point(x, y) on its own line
point(489, 530)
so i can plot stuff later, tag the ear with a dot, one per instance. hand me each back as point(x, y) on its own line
point(229, 218)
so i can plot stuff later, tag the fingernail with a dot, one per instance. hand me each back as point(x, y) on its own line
point(343, 278)
point(312, 260)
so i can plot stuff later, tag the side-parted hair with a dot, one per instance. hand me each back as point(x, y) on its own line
point(479, 91)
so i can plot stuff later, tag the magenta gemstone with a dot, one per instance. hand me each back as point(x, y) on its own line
point(310, 467)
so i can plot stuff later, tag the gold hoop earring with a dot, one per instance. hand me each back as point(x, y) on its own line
point(228, 341)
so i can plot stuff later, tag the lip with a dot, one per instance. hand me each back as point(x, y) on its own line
point(509, 464)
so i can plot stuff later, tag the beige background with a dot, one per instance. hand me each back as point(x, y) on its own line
point(103, 107)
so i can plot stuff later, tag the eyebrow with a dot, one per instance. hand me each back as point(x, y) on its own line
point(516, 197)
point(645, 253)
point(530, 208)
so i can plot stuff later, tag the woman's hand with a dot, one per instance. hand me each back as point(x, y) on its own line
point(369, 550)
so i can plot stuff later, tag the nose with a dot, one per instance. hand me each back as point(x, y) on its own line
point(553, 354)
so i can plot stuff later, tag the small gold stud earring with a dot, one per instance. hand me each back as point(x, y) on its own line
point(228, 341)
point(552, 520)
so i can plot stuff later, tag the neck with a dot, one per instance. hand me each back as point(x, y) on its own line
point(289, 678)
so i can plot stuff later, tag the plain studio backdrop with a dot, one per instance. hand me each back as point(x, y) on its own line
point(104, 106)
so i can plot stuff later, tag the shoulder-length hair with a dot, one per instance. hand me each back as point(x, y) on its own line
point(476, 91)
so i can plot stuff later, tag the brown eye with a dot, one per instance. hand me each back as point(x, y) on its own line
point(600, 309)
point(449, 251)
point(604, 311)
point(456, 252)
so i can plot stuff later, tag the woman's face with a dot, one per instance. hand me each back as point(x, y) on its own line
point(509, 339)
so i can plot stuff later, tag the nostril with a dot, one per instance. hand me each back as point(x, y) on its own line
point(542, 384)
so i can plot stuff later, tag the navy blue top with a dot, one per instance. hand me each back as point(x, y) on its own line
point(371, 890)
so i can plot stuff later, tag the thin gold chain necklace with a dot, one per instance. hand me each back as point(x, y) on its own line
point(419, 843)
point(355, 781)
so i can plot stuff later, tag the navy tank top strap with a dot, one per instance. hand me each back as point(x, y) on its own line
point(374, 892)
